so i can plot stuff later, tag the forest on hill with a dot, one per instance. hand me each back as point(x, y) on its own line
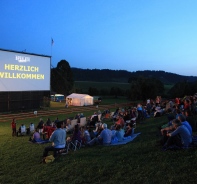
point(142, 84)
point(107, 75)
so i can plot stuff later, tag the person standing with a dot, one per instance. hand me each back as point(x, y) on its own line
point(13, 125)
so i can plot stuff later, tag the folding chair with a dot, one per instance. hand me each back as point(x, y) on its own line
point(72, 124)
point(99, 117)
point(74, 145)
point(83, 122)
point(133, 121)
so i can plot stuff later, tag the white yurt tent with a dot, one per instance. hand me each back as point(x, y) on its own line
point(76, 99)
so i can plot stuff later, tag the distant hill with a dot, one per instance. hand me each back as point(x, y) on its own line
point(106, 75)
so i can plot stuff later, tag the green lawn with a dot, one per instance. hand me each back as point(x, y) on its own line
point(139, 161)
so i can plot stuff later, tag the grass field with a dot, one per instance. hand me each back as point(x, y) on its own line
point(137, 162)
point(85, 85)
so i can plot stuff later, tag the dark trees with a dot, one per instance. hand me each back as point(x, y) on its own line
point(62, 78)
point(182, 89)
point(143, 88)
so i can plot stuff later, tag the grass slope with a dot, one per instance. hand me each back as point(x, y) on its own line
point(139, 161)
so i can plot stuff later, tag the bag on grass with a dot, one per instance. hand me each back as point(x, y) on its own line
point(49, 159)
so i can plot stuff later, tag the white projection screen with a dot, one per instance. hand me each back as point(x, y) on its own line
point(24, 71)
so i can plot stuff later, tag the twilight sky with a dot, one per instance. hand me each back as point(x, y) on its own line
point(127, 35)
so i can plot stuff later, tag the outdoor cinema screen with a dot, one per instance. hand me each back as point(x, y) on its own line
point(24, 72)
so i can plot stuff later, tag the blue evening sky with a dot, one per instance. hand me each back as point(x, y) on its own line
point(127, 35)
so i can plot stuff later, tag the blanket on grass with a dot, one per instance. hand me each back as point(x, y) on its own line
point(39, 141)
point(126, 140)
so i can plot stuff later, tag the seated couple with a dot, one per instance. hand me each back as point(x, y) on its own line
point(119, 134)
point(178, 135)
point(104, 138)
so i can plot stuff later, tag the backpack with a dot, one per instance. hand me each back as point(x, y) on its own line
point(49, 159)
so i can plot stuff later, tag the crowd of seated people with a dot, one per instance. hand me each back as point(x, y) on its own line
point(121, 128)
point(117, 133)
point(181, 124)
point(106, 113)
point(177, 131)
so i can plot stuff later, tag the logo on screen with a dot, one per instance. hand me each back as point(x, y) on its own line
point(22, 59)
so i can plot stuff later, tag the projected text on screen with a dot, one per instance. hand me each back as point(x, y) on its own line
point(24, 72)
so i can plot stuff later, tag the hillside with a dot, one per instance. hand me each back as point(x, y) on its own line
point(107, 75)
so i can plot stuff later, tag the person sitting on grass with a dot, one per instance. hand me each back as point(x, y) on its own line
point(21, 130)
point(86, 138)
point(31, 128)
point(58, 139)
point(36, 137)
point(93, 119)
point(48, 122)
point(119, 121)
point(68, 126)
point(40, 125)
point(180, 137)
point(98, 129)
point(190, 119)
point(119, 133)
point(183, 121)
point(133, 113)
point(129, 130)
point(76, 134)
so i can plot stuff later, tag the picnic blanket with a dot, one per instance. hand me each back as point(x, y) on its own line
point(39, 141)
point(126, 139)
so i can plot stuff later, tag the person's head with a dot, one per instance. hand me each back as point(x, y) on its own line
point(134, 109)
point(130, 125)
point(181, 118)
point(104, 125)
point(118, 127)
point(186, 101)
point(176, 123)
point(118, 117)
point(59, 124)
point(68, 121)
point(96, 125)
point(187, 112)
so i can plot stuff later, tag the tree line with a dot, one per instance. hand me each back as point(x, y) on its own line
point(143, 84)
